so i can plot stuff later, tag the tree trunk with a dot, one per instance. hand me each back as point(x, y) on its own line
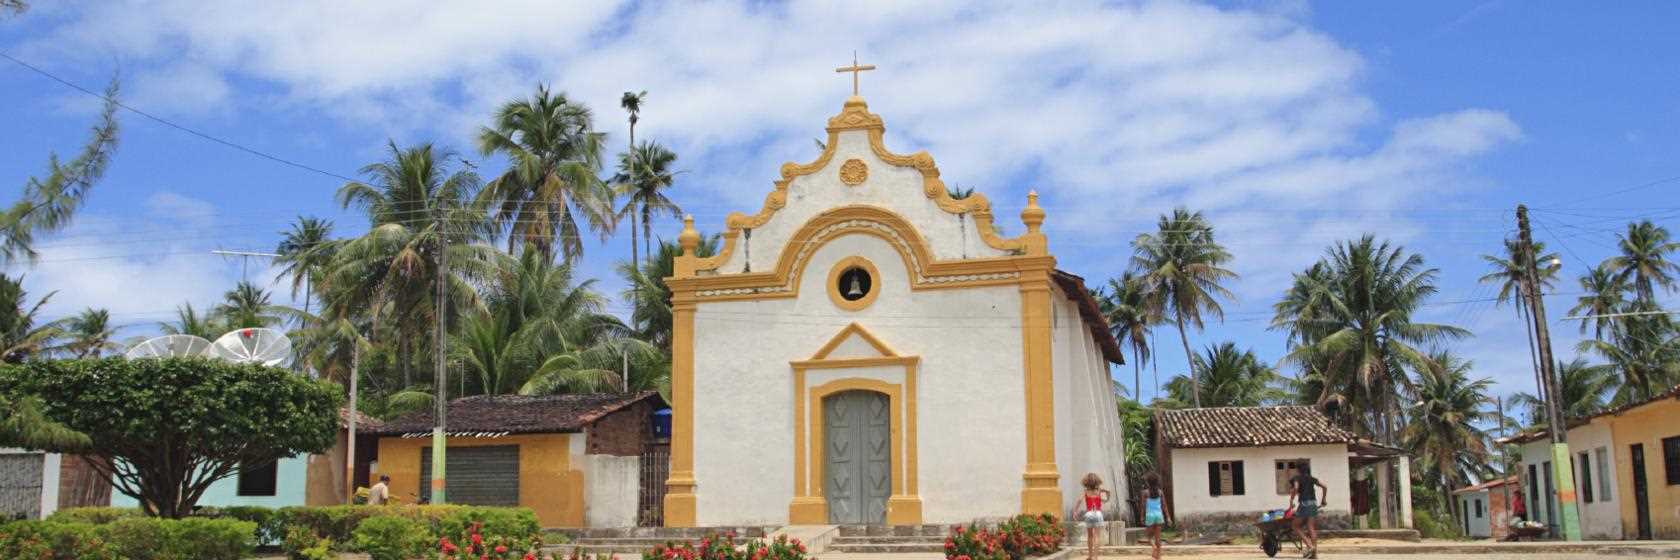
point(1155, 363)
point(635, 259)
point(1137, 377)
point(647, 231)
point(1195, 382)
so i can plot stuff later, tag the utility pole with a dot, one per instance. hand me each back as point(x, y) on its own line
point(350, 442)
point(1563, 474)
point(439, 345)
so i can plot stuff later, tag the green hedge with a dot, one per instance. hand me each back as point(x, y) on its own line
point(338, 523)
point(129, 538)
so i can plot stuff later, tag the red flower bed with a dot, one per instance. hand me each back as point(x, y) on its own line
point(1022, 537)
point(724, 547)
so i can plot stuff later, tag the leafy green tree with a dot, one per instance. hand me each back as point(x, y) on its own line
point(189, 321)
point(631, 102)
point(1350, 326)
point(1586, 389)
point(164, 430)
point(1126, 307)
point(22, 334)
point(89, 334)
point(246, 306)
point(1179, 269)
point(1644, 350)
point(650, 299)
point(1601, 297)
point(550, 185)
point(1442, 433)
point(49, 203)
point(305, 252)
point(643, 175)
point(22, 425)
point(1230, 377)
point(1645, 261)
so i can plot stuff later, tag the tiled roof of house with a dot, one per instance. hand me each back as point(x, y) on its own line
point(1486, 485)
point(1091, 313)
point(519, 414)
point(1248, 426)
point(1536, 434)
point(363, 421)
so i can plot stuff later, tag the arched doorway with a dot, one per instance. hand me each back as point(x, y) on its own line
point(857, 457)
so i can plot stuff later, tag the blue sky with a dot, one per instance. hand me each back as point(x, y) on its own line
point(1292, 125)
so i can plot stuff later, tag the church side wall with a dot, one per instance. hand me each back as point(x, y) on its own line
point(1088, 432)
point(971, 407)
point(899, 189)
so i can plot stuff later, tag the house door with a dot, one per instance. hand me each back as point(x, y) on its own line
point(857, 457)
point(1551, 495)
point(1641, 501)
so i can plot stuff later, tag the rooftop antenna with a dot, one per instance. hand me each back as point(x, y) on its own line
point(245, 256)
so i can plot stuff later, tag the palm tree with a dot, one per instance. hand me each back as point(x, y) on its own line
point(415, 204)
point(1129, 320)
point(1644, 260)
point(957, 192)
point(246, 306)
point(22, 336)
point(1179, 270)
point(1230, 377)
point(304, 252)
point(1447, 409)
point(650, 299)
point(189, 322)
point(1586, 388)
point(1510, 272)
point(631, 102)
point(1603, 297)
point(550, 183)
point(1349, 319)
point(643, 173)
point(90, 333)
point(1644, 350)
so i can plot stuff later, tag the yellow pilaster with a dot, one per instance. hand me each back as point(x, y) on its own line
point(1040, 491)
point(681, 503)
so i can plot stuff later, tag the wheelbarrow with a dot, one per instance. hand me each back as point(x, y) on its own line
point(1275, 533)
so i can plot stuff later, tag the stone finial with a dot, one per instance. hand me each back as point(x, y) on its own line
point(1033, 216)
point(689, 239)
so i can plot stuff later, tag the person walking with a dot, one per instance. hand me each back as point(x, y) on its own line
point(1095, 495)
point(380, 494)
point(1302, 487)
point(1154, 512)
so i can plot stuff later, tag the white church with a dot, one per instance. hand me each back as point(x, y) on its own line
point(867, 349)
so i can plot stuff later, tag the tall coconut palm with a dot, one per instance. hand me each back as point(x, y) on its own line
point(1129, 319)
point(1447, 409)
point(1644, 262)
point(1230, 377)
point(246, 306)
point(645, 289)
point(305, 251)
point(1510, 272)
point(415, 204)
point(189, 321)
point(1586, 389)
point(1644, 350)
point(643, 175)
point(1349, 319)
point(49, 202)
point(631, 102)
point(1179, 270)
point(550, 184)
point(22, 334)
point(1602, 297)
point(90, 334)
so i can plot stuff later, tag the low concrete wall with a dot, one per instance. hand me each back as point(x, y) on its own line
point(1242, 522)
point(611, 490)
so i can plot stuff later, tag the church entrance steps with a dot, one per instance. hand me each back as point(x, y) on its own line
point(816, 538)
point(632, 541)
point(890, 539)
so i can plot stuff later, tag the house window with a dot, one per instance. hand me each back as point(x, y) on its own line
point(1225, 478)
point(1671, 459)
point(1478, 508)
point(1285, 470)
point(259, 480)
point(1586, 479)
point(1604, 490)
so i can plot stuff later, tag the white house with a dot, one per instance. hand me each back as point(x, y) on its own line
point(869, 349)
point(1486, 507)
point(1593, 460)
point(1223, 467)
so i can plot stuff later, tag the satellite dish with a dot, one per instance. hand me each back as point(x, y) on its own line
point(253, 346)
point(169, 346)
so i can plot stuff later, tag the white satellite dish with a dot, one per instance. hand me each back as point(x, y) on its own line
point(169, 346)
point(253, 346)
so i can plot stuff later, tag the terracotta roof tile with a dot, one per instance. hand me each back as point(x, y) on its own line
point(1251, 426)
point(1091, 313)
point(519, 414)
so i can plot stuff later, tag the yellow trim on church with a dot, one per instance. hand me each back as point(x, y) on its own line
point(834, 287)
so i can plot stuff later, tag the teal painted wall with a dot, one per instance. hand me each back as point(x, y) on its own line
point(290, 488)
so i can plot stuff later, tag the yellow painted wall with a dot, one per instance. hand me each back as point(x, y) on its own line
point(548, 484)
point(1647, 425)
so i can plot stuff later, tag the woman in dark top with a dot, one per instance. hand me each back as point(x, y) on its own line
point(1302, 486)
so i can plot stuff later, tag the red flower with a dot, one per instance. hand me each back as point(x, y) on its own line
point(501, 549)
point(477, 540)
point(529, 556)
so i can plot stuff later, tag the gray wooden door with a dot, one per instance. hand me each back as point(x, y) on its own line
point(477, 476)
point(857, 462)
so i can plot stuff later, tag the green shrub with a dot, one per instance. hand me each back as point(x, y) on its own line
point(270, 524)
point(210, 539)
point(392, 538)
point(1430, 526)
point(302, 544)
point(139, 538)
point(94, 515)
point(54, 540)
point(516, 526)
point(1022, 536)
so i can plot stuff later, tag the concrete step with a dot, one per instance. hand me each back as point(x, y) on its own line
point(671, 533)
point(890, 540)
point(893, 530)
point(897, 548)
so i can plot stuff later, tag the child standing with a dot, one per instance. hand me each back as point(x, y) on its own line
point(1095, 495)
point(1154, 512)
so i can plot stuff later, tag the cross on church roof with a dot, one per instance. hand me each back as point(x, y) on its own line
point(855, 69)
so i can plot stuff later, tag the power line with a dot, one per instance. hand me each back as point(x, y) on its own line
point(166, 122)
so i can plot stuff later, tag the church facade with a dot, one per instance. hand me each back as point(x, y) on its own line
point(867, 349)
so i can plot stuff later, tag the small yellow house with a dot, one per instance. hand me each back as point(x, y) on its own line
point(576, 460)
point(1647, 440)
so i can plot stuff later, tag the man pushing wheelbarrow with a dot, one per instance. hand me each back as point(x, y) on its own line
point(1306, 512)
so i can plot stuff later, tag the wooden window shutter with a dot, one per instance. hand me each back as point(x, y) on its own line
point(1213, 478)
point(1236, 478)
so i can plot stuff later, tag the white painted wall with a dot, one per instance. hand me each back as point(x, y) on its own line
point(1535, 454)
point(1480, 523)
point(972, 408)
point(611, 489)
point(899, 189)
point(1088, 431)
point(1601, 519)
point(1190, 478)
